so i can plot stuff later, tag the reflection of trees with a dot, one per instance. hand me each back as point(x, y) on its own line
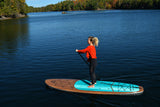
point(13, 35)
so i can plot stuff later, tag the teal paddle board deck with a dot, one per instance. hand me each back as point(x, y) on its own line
point(101, 87)
point(106, 86)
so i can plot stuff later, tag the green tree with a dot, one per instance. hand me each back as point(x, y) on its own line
point(91, 5)
point(101, 5)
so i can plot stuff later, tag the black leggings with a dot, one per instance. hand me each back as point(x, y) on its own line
point(92, 67)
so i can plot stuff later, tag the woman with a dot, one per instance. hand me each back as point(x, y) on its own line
point(92, 58)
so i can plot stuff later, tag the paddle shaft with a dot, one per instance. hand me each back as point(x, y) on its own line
point(84, 59)
point(87, 63)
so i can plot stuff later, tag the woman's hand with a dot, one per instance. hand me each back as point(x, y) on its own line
point(76, 50)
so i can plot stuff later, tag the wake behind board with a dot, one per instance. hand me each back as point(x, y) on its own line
point(101, 87)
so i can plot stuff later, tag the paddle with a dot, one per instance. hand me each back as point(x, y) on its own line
point(89, 65)
point(83, 59)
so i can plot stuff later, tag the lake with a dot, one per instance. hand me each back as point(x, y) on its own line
point(42, 46)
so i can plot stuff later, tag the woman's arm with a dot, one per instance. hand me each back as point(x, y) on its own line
point(83, 50)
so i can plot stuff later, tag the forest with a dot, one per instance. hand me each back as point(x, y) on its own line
point(12, 8)
point(71, 5)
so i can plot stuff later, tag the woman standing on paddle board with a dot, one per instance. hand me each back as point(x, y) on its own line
point(92, 58)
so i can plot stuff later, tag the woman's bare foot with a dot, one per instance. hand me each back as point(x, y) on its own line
point(91, 86)
point(91, 83)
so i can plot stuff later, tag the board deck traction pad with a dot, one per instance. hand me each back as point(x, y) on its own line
point(106, 86)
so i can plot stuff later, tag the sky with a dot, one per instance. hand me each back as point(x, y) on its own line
point(41, 3)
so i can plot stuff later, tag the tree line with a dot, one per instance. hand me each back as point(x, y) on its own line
point(14, 7)
point(71, 5)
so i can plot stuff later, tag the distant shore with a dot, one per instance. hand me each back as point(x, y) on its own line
point(13, 17)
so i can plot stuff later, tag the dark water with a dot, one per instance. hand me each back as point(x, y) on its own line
point(43, 45)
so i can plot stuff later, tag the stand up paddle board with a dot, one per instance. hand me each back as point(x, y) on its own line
point(101, 87)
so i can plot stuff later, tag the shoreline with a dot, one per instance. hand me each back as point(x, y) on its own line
point(13, 17)
point(92, 10)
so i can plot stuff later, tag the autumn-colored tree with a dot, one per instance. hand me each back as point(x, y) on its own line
point(114, 3)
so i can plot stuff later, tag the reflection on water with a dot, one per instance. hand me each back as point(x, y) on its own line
point(13, 35)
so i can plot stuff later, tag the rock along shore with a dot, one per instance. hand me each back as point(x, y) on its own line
point(12, 17)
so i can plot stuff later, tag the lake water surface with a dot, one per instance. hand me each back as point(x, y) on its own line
point(42, 46)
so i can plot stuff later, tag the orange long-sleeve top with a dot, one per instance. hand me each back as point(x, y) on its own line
point(90, 52)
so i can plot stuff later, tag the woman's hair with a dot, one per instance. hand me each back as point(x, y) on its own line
point(94, 40)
